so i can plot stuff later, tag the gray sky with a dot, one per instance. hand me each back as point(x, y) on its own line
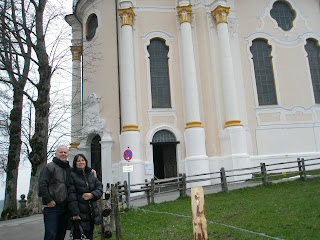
point(25, 167)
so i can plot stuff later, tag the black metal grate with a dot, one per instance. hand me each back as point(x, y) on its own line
point(164, 136)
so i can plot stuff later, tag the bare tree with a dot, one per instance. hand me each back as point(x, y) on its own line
point(15, 62)
point(28, 67)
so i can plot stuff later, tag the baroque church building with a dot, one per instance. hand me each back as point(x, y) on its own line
point(190, 86)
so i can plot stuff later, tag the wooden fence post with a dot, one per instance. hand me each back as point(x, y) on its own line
point(126, 193)
point(184, 185)
point(115, 206)
point(147, 191)
point(107, 217)
point(198, 214)
point(264, 176)
point(224, 183)
point(152, 190)
point(302, 169)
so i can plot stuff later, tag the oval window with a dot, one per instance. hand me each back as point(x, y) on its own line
point(92, 24)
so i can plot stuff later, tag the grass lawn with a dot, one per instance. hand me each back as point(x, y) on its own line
point(287, 210)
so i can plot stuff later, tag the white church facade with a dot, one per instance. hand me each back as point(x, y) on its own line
point(190, 86)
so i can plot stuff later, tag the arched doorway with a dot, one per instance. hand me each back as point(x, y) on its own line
point(96, 156)
point(164, 154)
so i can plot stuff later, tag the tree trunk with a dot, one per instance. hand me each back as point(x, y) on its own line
point(10, 203)
point(39, 141)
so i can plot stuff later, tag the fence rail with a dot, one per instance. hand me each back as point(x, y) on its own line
point(149, 189)
point(121, 193)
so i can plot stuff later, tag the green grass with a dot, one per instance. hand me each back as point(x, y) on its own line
point(286, 210)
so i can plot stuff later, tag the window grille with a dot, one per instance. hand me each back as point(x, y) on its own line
point(313, 51)
point(164, 136)
point(284, 15)
point(262, 62)
point(159, 71)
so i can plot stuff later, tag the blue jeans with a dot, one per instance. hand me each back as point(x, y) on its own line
point(55, 222)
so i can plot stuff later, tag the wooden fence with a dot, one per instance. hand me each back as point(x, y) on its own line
point(149, 189)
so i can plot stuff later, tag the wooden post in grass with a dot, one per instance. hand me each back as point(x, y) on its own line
point(199, 220)
point(126, 193)
point(147, 191)
point(152, 190)
point(116, 208)
point(302, 169)
point(224, 183)
point(264, 174)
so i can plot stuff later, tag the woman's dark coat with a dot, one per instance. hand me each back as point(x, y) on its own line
point(77, 205)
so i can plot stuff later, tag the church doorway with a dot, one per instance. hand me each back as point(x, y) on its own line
point(96, 156)
point(164, 154)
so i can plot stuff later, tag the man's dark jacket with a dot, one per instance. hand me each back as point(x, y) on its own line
point(84, 182)
point(53, 182)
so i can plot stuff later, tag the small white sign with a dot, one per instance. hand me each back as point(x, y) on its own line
point(148, 169)
point(127, 168)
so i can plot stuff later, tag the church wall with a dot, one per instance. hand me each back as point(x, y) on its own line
point(160, 24)
point(292, 78)
point(273, 132)
point(100, 73)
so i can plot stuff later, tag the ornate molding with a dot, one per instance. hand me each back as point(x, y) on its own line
point(127, 16)
point(130, 127)
point(233, 123)
point(74, 145)
point(194, 124)
point(184, 14)
point(221, 14)
point(76, 52)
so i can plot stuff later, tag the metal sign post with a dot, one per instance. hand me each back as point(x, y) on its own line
point(128, 203)
point(127, 155)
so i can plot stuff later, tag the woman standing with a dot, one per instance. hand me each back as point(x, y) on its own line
point(83, 192)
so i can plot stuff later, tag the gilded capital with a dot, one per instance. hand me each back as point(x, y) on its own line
point(184, 13)
point(194, 124)
point(130, 128)
point(127, 16)
point(74, 145)
point(221, 14)
point(76, 52)
point(232, 123)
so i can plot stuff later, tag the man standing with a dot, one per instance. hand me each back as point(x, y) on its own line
point(53, 183)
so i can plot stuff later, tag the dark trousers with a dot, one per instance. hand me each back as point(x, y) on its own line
point(55, 222)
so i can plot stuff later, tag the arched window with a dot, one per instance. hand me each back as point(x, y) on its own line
point(313, 50)
point(164, 136)
point(159, 72)
point(283, 13)
point(263, 70)
point(91, 26)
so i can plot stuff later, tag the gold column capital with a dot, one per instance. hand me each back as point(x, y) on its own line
point(127, 16)
point(76, 52)
point(194, 124)
point(220, 13)
point(130, 127)
point(74, 145)
point(184, 13)
point(233, 123)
